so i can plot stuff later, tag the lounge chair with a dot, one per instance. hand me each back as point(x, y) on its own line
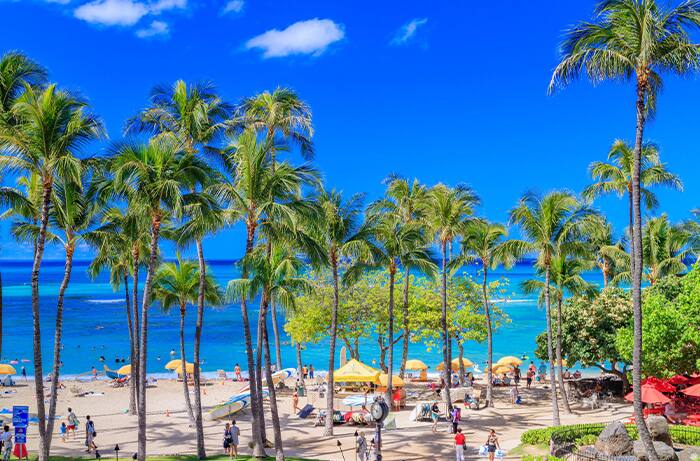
point(591, 402)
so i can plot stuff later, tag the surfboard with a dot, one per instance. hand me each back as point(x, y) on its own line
point(232, 406)
point(276, 377)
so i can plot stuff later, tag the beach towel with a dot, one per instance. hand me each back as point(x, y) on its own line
point(306, 411)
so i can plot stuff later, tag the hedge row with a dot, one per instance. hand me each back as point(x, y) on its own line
point(582, 434)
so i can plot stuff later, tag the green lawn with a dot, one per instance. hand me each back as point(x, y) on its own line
point(175, 458)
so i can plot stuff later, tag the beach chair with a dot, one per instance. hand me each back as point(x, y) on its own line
point(306, 411)
point(591, 402)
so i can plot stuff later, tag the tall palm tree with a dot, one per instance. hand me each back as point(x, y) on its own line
point(450, 212)
point(337, 230)
point(485, 242)
point(177, 284)
point(634, 40)
point(195, 115)
point(550, 225)
point(408, 200)
point(277, 276)
point(41, 134)
point(606, 253)
point(153, 178)
point(281, 113)
point(565, 275)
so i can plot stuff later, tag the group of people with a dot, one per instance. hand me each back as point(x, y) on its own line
point(231, 439)
point(70, 425)
point(307, 372)
point(489, 448)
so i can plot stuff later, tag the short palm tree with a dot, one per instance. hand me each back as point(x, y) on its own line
point(550, 225)
point(634, 40)
point(606, 253)
point(278, 276)
point(565, 275)
point(153, 178)
point(177, 284)
point(666, 248)
point(408, 200)
point(485, 242)
point(450, 212)
point(40, 135)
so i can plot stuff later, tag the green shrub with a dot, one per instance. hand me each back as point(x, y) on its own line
point(685, 435)
point(588, 439)
point(585, 434)
point(537, 436)
point(540, 458)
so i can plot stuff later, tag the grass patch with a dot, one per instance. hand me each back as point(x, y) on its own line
point(176, 458)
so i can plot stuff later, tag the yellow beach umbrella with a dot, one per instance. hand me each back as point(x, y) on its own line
point(396, 381)
point(509, 360)
point(415, 365)
point(125, 370)
point(455, 364)
point(500, 369)
point(173, 364)
point(189, 368)
point(355, 371)
point(6, 369)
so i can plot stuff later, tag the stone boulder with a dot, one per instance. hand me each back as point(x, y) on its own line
point(614, 440)
point(665, 452)
point(689, 454)
point(658, 428)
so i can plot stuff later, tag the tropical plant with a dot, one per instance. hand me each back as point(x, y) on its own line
point(153, 178)
point(606, 253)
point(634, 40)
point(485, 242)
point(177, 285)
point(450, 211)
point(39, 135)
point(551, 225)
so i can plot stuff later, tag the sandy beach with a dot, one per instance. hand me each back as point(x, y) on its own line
point(170, 434)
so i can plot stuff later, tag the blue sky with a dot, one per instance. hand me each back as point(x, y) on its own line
point(443, 91)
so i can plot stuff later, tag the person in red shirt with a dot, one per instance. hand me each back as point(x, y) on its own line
point(460, 445)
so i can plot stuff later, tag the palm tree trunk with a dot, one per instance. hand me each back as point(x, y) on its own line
point(636, 266)
point(550, 351)
point(300, 365)
point(460, 346)
point(489, 339)
point(145, 302)
point(57, 344)
point(331, 353)
point(262, 326)
point(135, 365)
point(0, 315)
point(256, 409)
point(446, 358)
point(406, 331)
point(560, 375)
point(276, 333)
point(199, 426)
point(279, 451)
point(38, 368)
point(390, 333)
point(183, 363)
point(132, 340)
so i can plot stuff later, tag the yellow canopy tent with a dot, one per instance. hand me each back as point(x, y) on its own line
point(509, 360)
point(396, 381)
point(189, 368)
point(355, 371)
point(455, 364)
point(125, 370)
point(173, 364)
point(415, 364)
point(6, 369)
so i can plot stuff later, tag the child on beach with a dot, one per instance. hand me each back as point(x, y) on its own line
point(295, 402)
point(6, 439)
point(72, 422)
point(90, 435)
point(63, 430)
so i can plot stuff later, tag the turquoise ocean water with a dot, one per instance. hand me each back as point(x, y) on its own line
point(95, 323)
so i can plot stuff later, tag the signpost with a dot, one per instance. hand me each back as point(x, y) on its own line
point(20, 416)
point(20, 420)
point(20, 435)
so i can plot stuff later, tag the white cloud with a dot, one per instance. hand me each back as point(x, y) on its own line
point(233, 6)
point(112, 12)
point(163, 5)
point(155, 29)
point(304, 37)
point(408, 31)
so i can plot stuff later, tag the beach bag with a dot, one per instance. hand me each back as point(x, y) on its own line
point(500, 453)
point(483, 450)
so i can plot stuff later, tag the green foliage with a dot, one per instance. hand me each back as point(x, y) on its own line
point(588, 439)
point(671, 335)
point(590, 327)
point(585, 434)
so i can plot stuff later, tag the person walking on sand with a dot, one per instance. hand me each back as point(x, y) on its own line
point(24, 373)
point(542, 373)
point(6, 439)
point(456, 417)
point(228, 438)
point(90, 434)
point(237, 372)
point(516, 374)
point(295, 402)
point(492, 444)
point(63, 429)
point(72, 421)
point(361, 447)
point(311, 371)
point(460, 445)
point(235, 435)
point(435, 415)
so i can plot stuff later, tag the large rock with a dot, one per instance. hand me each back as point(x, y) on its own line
point(689, 454)
point(614, 440)
point(665, 452)
point(658, 428)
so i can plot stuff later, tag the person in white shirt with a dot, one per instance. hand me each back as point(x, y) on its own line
point(6, 443)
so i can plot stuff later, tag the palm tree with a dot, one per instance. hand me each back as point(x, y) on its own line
point(177, 284)
point(450, 211)
point(407, 199)
point(195, 115)
point(337, 231)
point(281, 112)
point(551, 224)
point(251, 190)
point(41, 133)
point(633, 40)
point(484, 242)
point(565, 274)
point(606, 253)
point(152, 177)
point(276, 276)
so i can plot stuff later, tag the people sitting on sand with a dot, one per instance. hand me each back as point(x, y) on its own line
point(577, 374)
point(566, 374)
